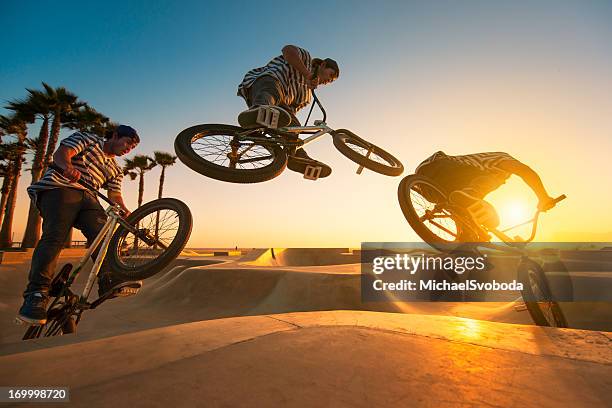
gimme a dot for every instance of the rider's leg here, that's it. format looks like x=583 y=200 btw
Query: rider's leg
x=59 y=208
x=90 y=221
x=471 y=197
x=300 y=161
x=454 y=179
x=266 y=93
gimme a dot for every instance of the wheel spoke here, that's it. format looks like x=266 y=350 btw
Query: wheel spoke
x=425 y=200
x=161 y=224
x=217 y=149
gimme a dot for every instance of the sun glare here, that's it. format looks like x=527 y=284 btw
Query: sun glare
x=513 y=213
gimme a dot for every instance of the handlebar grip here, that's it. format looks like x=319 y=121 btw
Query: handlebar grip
x=560 y=198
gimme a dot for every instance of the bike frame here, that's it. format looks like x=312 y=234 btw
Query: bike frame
x=318 y=130
x=104 y=237
x=516 y=245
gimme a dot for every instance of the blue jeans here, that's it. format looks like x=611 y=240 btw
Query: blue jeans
x=61 y=209
x=267 y=91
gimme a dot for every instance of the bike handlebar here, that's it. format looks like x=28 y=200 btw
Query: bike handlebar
x=318 y=102
x=560 y=198
x=82 y=183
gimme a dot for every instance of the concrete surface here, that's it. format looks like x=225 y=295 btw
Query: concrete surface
x=336 y=358
x=291 y=330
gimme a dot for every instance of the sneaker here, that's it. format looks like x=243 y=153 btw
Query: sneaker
x=306 y=165
x=481 y=211
x=112 y=287
x=264 y=116
x=34 y=308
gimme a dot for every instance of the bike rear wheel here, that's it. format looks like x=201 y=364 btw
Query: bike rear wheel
x=538 y=297
x=217 y=151
x=424 y=206
x=163 y=229
x=366 y=154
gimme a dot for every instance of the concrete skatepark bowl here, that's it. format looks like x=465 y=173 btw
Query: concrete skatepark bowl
x=287 y=327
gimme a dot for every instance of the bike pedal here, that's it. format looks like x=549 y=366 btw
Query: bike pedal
x=520 y=307
x=312 y=172
x=127 y=289
x=267 y=117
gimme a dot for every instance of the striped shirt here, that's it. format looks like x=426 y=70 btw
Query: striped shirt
x=95 y=167
x=295 y=91
x=487 y=162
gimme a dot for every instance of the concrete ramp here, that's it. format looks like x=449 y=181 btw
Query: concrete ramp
x=339 y=358
x=305 y=257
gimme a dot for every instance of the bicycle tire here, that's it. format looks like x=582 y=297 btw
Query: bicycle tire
x=184 y=148
x=387 y=165
x=149 y=268
x=545 y=312
x=442 y=243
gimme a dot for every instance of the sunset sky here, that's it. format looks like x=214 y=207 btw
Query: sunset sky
x=533 y=79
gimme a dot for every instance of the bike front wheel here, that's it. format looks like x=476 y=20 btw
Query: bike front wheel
x=160 y=230
x=366 y=154
x=538 y=297
x=217 y=151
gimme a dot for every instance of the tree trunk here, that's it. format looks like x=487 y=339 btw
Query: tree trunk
x=161 y=182
x=159 y=195
x=140 y=188
x=32 y=231
x=55 y=131
x=6 y=233
x=6 y=184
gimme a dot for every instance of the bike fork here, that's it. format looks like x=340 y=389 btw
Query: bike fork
x=106 y=233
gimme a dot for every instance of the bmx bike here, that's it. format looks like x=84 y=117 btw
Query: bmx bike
x=237 y=155
x=136 y=247
x=449 y=228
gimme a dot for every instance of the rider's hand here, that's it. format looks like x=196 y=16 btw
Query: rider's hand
x=72 y=174
x=546 y=203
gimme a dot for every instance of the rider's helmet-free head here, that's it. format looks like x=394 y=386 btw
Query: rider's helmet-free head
x=127 y=131
x=122 y=139
x=326 y=70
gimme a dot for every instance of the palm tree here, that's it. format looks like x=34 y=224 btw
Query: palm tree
x=61 y=102
x=164 y=160
x=85 y=119
x=137 y=167
x=37 y=106
x=13 y=125
x=7 y=155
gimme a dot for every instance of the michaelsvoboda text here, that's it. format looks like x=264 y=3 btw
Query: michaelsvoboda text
x=413 y=264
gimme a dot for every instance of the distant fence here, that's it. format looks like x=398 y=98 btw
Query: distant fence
x=73 y=244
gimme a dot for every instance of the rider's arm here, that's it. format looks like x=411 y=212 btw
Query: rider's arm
x=531 y=178
x=293 y=57
x=63 y=158
x=117 y=198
